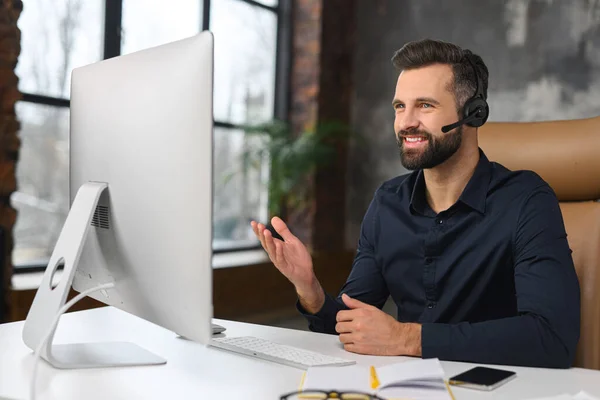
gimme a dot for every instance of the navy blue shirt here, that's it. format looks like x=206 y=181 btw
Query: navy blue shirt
x=491 y=279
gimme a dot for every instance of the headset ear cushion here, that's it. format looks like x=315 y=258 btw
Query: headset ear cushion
x=482 y=115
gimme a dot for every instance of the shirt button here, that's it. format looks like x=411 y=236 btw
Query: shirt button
x=430 y=305
x=428 y=260
x=440 y=221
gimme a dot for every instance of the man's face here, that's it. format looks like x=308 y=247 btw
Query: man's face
x=422 y=105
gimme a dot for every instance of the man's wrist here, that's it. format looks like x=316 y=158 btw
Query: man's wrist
x=311 y=296
x=410 y=334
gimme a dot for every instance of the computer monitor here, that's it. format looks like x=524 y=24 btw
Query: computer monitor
x=141 y=145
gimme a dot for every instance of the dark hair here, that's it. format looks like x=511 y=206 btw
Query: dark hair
x=427 y=52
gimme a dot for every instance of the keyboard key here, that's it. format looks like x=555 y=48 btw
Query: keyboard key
x=275 y=352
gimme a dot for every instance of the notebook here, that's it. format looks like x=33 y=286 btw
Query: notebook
x=418 y=380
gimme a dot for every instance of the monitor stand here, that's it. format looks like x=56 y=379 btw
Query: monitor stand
x=48 y=301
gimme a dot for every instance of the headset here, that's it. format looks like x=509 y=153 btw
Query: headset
x=476 y=110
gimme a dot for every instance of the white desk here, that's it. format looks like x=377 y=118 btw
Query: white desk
x=197 y=372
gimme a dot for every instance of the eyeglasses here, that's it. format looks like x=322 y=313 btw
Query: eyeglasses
x=332 y=394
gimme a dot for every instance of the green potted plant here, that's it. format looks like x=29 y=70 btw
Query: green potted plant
x=292 y=158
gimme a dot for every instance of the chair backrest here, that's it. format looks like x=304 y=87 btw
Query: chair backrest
x=566 y=154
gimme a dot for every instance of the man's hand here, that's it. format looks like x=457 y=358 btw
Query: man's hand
x=365 y=329
x=293 y=260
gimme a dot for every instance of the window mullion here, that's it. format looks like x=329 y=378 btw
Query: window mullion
x=112 y=28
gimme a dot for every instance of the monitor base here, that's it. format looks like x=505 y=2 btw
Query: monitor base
x=43 y=317
x=101 y=355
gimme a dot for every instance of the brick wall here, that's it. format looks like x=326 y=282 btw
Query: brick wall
x=304 y=94
x=320 y=90
x=10 y=38
x=335 y=93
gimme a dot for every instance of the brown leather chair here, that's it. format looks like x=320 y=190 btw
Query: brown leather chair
x=566 y=154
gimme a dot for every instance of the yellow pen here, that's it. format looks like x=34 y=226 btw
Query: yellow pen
x=374 y=380
x=449 y=390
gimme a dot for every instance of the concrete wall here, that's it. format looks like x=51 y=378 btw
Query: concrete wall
x=543 y=57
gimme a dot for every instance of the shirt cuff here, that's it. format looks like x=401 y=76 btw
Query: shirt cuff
x=324 y=320
x=435 y=341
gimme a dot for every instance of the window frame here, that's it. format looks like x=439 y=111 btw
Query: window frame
x=113 y=17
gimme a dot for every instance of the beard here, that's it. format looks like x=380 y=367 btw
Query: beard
x=437 y=150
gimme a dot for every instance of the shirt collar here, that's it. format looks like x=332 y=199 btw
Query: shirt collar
x=474 y=195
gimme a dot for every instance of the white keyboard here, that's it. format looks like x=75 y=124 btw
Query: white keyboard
x=279 y=353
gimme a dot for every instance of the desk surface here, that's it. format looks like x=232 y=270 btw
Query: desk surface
x=196 y=371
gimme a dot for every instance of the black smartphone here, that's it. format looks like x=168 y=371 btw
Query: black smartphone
x=482 y=378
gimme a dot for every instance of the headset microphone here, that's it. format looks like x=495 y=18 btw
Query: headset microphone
x=463 y=121
x=476 y=110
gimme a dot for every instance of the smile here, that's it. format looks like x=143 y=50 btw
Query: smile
x=415 y=139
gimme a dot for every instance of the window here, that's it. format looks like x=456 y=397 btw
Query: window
x=59 y=35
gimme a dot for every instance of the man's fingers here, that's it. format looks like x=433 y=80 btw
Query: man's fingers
x=254 y=226
x=282 y=229
x=353 y=303
x=355 y=348
x=345 y=315
x=259 y=231
x=346 y=338
x=270 y=245
x=261 y=235
x=343 y=327
x=278 y=251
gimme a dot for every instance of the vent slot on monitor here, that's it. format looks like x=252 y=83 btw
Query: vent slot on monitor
x=100 y=218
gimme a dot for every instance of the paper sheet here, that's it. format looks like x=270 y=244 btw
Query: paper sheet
x=348 y=378
x=427 y=369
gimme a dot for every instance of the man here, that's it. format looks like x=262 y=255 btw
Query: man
x=475 y=256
